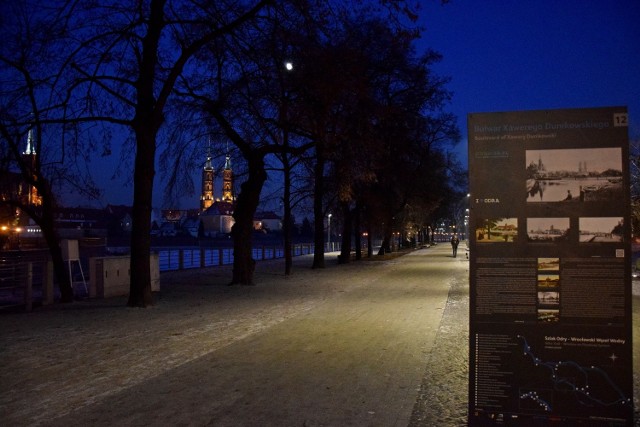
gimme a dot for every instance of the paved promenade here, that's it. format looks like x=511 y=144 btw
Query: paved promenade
x=373 y=343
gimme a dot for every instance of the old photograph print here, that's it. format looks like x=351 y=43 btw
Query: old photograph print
x=601 y=229
x=547 y=230
x=497 y=230
x=549 y=264
x=574 y=175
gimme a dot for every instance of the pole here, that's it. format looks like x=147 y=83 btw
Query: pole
x=329 y=233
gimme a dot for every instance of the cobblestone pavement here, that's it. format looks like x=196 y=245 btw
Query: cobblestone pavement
x=345 y=345
x=373 y=343
x=442 y=399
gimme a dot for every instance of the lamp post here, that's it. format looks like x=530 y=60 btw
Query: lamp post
x=466 y=224
x=329 y=231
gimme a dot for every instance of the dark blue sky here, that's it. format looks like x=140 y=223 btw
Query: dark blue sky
x=511 y=55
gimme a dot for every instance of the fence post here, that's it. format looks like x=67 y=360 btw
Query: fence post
x=202 y=257
x=180 y=259
x=47 y=283
x=28 y=290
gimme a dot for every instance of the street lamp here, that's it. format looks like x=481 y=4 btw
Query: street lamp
x=466 y=224
x=329 y=231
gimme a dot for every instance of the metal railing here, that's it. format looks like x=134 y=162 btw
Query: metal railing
x=172 y=259
x=25 y=277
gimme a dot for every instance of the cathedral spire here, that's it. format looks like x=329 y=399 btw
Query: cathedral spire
x=207 y=164
x=207 y=198
x=227 y=180
x=30 y=144
x=227 y=162
x=30 y=158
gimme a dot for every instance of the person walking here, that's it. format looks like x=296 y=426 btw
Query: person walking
x=454 y=244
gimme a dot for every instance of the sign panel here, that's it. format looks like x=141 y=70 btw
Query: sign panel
x=550 y=268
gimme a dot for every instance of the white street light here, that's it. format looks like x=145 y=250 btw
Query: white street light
x=329 y=231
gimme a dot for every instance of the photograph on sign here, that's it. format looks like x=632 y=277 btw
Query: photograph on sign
x=579 y=175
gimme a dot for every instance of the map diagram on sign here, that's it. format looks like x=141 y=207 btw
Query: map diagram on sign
x=587 y=386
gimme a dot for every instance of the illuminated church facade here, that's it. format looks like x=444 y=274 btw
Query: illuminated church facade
x=217 y=214
x=14 y=186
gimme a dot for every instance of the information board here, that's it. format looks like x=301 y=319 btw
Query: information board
x=550 y=268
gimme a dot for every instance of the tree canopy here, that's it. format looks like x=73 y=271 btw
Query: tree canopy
x=359 y=116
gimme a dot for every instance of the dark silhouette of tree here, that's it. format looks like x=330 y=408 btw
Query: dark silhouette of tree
x=31 y=62
x=244 y=95
x=251 y=98
x=375 y=114
x=137 y=66
x=127 y=66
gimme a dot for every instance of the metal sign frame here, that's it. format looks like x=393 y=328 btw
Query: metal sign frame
x=550 y=268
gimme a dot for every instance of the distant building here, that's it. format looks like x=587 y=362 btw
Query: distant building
x=191 y=226
x=208 y=197
x=227 y=182
x=174 y=216
x=14 y=187
x=218 y=217
x=169 y=229
x=30 y=158
x=541 y=165
x=119 y=219
x=75 y=223
x=267 y=220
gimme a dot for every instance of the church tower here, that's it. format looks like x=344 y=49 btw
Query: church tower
x=29 y=157
x=206 y=200
x=227 y=181
x=541 y=166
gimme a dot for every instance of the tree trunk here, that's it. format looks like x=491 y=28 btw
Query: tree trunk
x=140 y=286
x=286 y=225
x=288 y=256
x=345 y=249
x=53 y=242
x=242 y=230
x=46 y=222
x=318 y=212
x=386 y=242
x=357 y=235
x=369 y=229
x=146 y=124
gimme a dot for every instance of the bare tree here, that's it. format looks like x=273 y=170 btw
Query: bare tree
x=124 y=65
x=378 y=120
x=34 y=156
x=126 y=69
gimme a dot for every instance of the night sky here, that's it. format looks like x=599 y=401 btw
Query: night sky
x=512 y=55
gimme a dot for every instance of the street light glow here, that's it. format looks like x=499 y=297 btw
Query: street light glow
x=288 y=65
